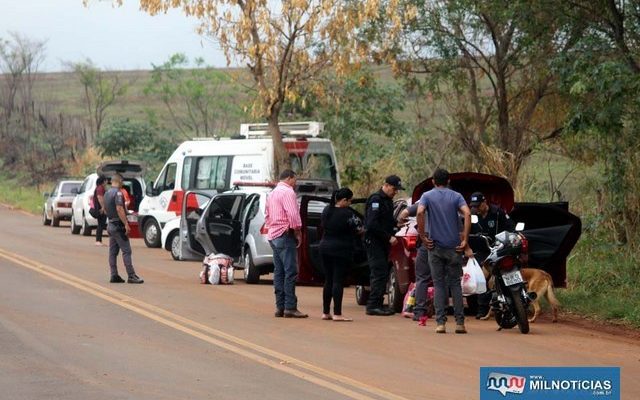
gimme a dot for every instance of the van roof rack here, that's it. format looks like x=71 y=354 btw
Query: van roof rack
x=205 y=139
x=305 y=129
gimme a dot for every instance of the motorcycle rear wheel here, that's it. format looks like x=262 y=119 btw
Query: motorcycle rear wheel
x=520 y=312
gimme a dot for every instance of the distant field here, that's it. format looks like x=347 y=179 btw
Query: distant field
x=64 y=92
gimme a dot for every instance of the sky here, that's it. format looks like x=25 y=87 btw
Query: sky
x=116 y=38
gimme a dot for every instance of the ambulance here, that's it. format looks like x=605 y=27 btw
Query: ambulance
x=216 y=165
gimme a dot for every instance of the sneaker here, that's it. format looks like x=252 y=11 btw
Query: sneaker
x=294 y=314
x=135 y=279
x=460 y=328
x=116 y=279
x=441 y=329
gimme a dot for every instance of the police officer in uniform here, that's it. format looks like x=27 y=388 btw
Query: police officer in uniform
x=491 y=221
x=380 y=226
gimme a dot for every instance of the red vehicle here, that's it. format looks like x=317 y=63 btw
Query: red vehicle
x=553 y=228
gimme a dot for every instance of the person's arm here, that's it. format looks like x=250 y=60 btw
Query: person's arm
x=290 y=206
x=372 y=221
x=100 y=196
x=122 y=214
x=466 y=212
x=420 y=219
x=505 y=222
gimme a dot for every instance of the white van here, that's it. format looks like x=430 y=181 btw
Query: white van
x=213 y=164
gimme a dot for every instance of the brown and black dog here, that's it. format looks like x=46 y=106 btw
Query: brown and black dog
x=537 y=281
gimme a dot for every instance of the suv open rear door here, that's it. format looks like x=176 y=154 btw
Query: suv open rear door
x=552 y=231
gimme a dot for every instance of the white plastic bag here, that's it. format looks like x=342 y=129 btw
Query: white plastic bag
x=481 y=282
x=468 y=281
x=473 y=281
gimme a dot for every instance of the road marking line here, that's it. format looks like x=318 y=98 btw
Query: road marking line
x=279 y=361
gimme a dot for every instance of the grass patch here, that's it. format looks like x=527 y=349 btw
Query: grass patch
x=27 y=198
x=602 y=281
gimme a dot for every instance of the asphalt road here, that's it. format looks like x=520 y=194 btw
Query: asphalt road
x=66 y=333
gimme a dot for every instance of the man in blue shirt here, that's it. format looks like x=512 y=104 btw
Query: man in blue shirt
x=446 y=244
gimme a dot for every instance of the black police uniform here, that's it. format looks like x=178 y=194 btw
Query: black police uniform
x=380 y=226
x=493 y=223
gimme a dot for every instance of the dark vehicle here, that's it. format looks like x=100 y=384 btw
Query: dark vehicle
x=510 y=300
x=551 y=229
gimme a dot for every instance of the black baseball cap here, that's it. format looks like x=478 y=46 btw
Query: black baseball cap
x=476 y=199
x=395 y=181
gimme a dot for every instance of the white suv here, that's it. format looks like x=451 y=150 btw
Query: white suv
x=81 y=220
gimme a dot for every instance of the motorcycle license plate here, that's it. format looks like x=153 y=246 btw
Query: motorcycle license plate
x=512 y=278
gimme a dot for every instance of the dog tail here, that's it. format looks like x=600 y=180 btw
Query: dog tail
x=553 y=301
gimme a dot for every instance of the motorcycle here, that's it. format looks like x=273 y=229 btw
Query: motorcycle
x=510 y=300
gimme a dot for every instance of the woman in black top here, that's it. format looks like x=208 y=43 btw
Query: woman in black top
x=340 y=227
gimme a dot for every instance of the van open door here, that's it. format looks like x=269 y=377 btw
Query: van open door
x=219 y=229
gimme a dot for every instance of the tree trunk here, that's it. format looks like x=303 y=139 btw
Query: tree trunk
x=280 y=154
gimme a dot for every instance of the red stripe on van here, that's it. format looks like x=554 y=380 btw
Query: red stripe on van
x=175 y=203
x=297 y=147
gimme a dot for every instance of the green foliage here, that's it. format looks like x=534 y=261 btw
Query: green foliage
x=135 y=140
x=197 y=98
x=601 y=82
x=602 y=280
x=17 y=194
x=360 y=116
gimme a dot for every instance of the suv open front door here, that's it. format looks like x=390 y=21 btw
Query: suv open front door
x=220 y=228
x=193 y=204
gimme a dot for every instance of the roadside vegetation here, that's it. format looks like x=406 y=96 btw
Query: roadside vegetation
x=544 y=94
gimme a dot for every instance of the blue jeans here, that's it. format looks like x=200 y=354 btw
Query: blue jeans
x=285 y=271
x=423 y=275
x=446 y=270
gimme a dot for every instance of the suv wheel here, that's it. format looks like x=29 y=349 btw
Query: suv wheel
x=75 y=229
x=86 y=229
x=151 y=232
x=45 y=220
x=362 y=295
x=395 y=296
x=251 y=272
x=174 y=243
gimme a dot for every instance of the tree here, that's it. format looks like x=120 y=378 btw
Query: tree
x=20 y=58
x=144 y=142
x=489 y=62
x=601 y=80
x=199 y=100
x=100 y=91
x=285 y=44
x=36 y=138
x=360 y=115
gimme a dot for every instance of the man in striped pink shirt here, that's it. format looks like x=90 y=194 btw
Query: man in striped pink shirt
x=284 y=235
